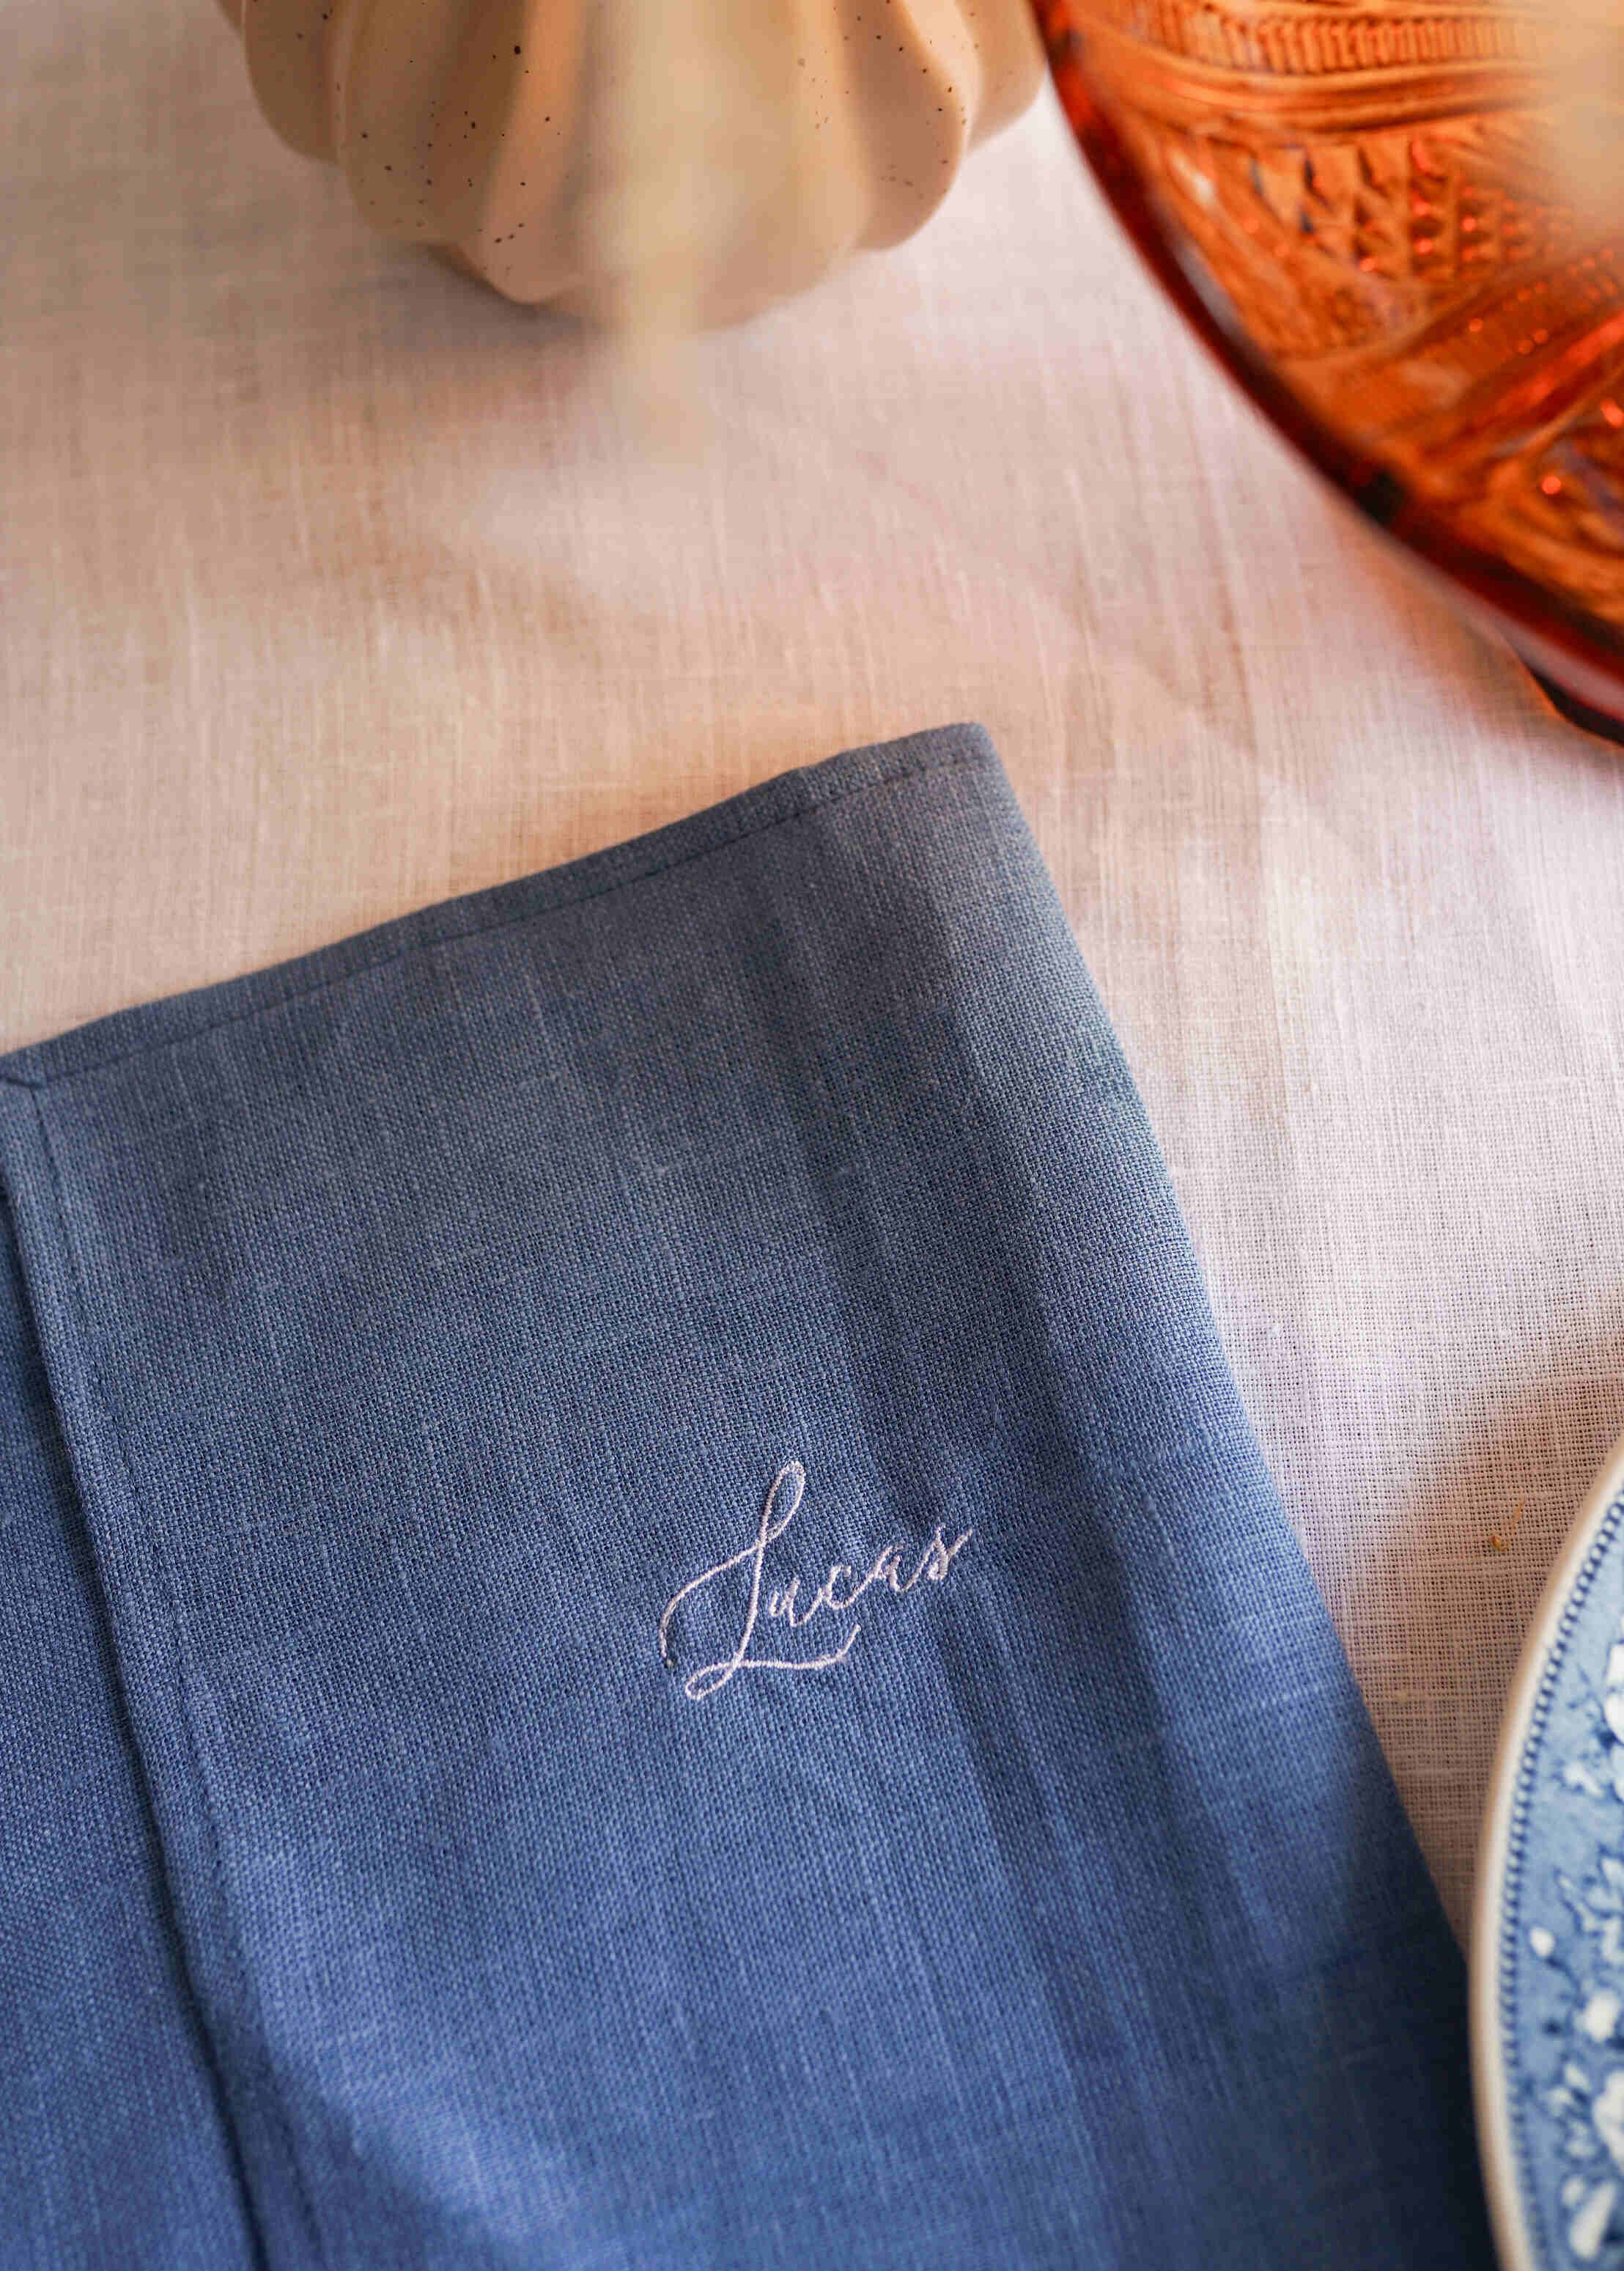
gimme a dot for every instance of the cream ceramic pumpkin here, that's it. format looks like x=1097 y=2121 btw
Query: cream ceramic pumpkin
x=667 y=160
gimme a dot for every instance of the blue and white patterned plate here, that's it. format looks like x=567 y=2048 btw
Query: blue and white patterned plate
x=1548 y=1943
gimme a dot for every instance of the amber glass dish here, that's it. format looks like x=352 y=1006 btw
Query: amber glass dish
x=1361 y=207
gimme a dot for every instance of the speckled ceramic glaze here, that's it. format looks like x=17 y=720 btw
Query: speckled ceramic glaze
x=1548 y=1935
x=707 y=157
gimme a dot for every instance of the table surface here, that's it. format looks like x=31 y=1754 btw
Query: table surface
x=333 y=585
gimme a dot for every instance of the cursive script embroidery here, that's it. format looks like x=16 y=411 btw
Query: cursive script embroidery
x=839 y=1592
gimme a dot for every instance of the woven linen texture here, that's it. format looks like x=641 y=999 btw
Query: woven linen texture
x=333 y=587
x=705 y=1656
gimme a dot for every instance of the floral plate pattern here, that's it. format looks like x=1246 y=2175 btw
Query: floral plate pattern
x=1547 y=1954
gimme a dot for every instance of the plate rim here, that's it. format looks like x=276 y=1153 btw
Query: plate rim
x=1496 y=2150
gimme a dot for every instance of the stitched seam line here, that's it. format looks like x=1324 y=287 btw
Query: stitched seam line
x=978 y=763
x=150 y=1531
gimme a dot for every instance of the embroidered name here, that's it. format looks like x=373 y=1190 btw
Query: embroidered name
x=838 y=1594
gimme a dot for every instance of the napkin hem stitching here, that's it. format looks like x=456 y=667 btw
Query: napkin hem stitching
x=98 y=1395
x=975 y=761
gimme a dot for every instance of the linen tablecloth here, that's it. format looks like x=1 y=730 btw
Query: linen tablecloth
x=333 y=585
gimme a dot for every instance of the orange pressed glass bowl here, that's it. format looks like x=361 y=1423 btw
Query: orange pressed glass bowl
x=1359 y=206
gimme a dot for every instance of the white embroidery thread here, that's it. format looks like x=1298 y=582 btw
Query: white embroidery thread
x=778 y=1511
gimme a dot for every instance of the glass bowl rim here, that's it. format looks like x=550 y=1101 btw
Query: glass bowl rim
x=1557 y=639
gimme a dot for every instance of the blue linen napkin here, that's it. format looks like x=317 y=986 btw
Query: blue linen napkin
x=643 y=1627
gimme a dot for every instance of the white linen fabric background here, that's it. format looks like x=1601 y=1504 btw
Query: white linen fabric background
x=333 y=585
